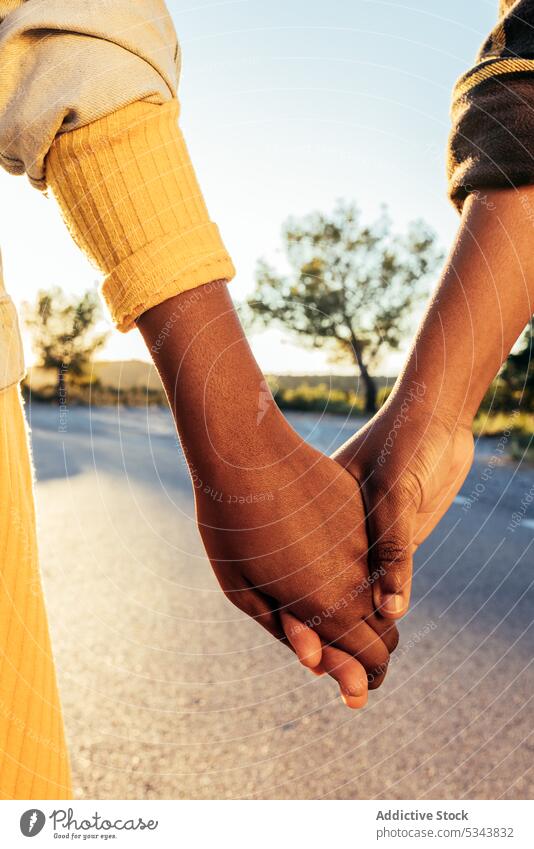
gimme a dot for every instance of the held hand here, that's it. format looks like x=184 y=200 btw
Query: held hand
x=283 y=525
x=414 y=455
x=285 y=533
x=410 y=461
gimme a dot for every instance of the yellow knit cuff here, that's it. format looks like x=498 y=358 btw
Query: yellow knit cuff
x=129 y=195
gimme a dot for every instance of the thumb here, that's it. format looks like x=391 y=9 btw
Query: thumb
x=390 y=524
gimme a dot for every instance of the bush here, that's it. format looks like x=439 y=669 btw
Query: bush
x=499 y=398
x=383 y=395
x=497 y=424
x=95 y=395
x=522 y=447
x=318 y=399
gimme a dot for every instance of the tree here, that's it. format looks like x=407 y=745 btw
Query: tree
x=518 y=371
x=64 y=334
x=352 y=286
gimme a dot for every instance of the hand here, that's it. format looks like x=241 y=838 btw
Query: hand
x=285 y=533
x=410 y=461
x=414 y=455
x=284 y=527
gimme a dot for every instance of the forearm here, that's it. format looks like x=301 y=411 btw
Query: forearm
x=484 y=299
x=216 y=390
x=412 y=458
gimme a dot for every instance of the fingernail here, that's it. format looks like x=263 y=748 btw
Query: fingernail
x=310 y=661
x=352 y=701
x=392 y=604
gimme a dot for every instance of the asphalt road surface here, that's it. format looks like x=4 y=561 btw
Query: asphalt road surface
x=170 y=692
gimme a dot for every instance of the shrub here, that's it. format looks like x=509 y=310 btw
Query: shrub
x=383 y=395
x=318 y=399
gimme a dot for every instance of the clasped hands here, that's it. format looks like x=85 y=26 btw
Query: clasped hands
x=317 y=550
x=320 y=552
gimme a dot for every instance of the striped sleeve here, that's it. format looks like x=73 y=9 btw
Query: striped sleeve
x=491 y=144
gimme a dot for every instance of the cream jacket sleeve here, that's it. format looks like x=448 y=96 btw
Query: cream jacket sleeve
x=66 y=63
x=88 y=110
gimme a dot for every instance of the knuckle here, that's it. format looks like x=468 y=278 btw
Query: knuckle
x=395 y=492
x=375 y=676
x=392 y=554
x=378 y=658
x=391 y=638
x=234 y=598
x=393 y=483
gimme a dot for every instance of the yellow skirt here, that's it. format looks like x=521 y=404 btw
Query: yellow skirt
x=33 y=755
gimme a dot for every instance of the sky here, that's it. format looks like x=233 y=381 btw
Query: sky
x=286 y=107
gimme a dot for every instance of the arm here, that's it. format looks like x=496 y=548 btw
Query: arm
x=128 y=192
x=414 y=455
x=283 y=528
x=412 y=458
x=115 y=159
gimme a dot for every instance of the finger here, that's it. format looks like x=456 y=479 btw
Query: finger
x=305 y=641
x=390 y=530
x=254 y=603
x=375 y=679
x=349 y=674
x=386 y=630
x=260 y=608
x=263 y=609
x=360 y=641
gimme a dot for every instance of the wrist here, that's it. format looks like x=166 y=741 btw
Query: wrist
x=222 y=405
x=417 y=399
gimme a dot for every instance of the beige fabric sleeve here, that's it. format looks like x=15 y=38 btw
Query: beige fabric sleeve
x=67 y=63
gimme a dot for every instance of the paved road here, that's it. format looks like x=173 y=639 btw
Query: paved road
x=169 y=692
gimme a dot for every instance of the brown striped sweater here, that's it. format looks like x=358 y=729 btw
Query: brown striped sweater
x=491 y=144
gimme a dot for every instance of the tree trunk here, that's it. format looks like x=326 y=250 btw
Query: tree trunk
x=368 y=381
x=61 y=388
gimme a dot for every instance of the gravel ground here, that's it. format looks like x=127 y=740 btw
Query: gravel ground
x=169 y=692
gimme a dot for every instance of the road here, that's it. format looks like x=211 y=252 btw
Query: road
x=170 y=692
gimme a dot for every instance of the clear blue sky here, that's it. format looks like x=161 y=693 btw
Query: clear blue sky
x=288 y=105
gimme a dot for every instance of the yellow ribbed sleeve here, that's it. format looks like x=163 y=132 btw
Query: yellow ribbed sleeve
x=131 y=200
x=33 y=756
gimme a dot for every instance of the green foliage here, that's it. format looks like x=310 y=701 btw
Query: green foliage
x=518 y=371
x=352 y=286
x=498 y=398
x=513 y=388
x=95 y=395
x=320 y=398
x=522 y=446
x=64 y=333
x=383 y=395
x=496 y=424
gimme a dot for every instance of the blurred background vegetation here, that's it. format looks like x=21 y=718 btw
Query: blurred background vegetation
x=350 y=288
